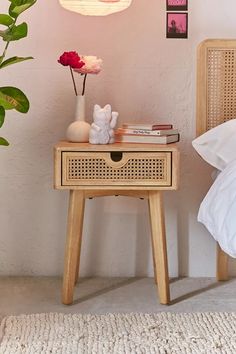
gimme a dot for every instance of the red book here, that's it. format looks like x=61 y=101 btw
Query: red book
x=147 y=126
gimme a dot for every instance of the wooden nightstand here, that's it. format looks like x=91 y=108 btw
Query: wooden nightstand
x=135 y=170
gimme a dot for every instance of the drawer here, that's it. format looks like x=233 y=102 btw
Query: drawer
x=116 y=168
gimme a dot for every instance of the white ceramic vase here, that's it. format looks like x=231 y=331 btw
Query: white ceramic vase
x=78 y=131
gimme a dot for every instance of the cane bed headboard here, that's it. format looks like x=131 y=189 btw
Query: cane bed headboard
x=216 y=83
x=216 y=99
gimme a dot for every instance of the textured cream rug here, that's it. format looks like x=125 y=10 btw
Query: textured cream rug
x=164 y=333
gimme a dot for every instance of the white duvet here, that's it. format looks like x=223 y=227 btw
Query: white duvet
x=218 y=209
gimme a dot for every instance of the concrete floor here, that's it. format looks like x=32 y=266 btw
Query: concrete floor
x=101 y=295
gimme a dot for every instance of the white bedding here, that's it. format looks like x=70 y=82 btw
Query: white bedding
x=217 y=146
x=218 y=209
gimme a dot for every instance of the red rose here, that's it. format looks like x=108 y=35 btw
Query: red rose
x=71 y=59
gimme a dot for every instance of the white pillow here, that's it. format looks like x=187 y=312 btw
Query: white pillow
x=218 y=209
x=218 y=145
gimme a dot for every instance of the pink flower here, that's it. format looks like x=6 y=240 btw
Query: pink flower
x=71 y=59
x=92 y=65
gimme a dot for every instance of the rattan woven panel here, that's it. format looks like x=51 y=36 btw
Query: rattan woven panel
x=221 y=86
x=84 y=169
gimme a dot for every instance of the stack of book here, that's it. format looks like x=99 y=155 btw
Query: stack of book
x=147 y=133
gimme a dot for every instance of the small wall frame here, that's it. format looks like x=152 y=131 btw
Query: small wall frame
x=176 y=5
x=177 y=25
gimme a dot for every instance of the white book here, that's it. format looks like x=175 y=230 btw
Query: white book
x=147 y=131
x=166 y=139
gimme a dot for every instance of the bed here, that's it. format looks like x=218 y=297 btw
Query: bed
x=216 y=101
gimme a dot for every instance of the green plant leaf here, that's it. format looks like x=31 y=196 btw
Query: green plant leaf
x=2 y=116
x=19 y=6
x=15 y=32
x=13 y=60
x=3 y=141
x=13 y=98
x=6 y=20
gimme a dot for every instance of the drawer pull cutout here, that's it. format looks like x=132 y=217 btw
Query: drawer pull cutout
x=116 y=156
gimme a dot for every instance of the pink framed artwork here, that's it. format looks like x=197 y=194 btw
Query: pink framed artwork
x=177 y=25
x=177 y=5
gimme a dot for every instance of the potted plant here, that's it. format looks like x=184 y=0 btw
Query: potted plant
x=12 y=97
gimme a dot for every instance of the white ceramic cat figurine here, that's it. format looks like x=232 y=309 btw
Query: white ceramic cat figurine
x=102 y=128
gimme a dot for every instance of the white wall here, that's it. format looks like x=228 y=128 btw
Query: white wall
x=145 y=77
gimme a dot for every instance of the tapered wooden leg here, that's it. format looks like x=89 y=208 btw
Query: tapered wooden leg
x=80 y=241
x=222 y=265
x=154 y=263
x=157 y=220
x=73 y=244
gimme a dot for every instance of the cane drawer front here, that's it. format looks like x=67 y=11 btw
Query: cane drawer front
x=116 y=168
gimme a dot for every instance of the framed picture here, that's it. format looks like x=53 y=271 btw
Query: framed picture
x=177 y=5
x=177 y=25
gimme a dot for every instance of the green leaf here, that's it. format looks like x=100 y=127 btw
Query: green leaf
x=6 y=20
x=19 y=6
x=13 y=98
x=13 y=60
x=2 y=116
x=3 y=141
x=15 y=32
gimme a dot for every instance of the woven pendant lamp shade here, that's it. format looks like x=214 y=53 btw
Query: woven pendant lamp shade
x=95 y=7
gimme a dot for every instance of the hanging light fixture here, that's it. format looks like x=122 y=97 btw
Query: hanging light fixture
x=95 y=7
